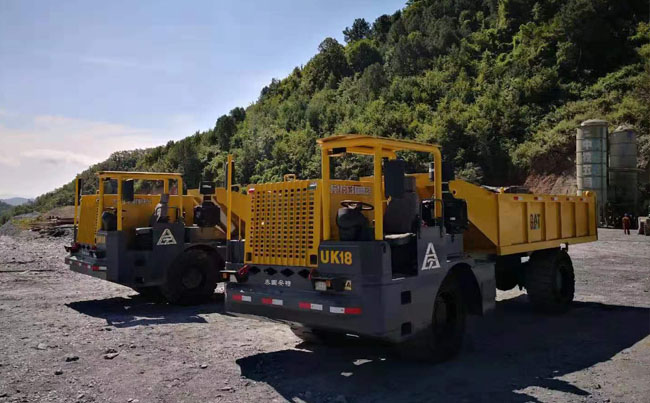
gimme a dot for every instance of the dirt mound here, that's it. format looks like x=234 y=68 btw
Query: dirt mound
x=61 y=212
x=552 y=184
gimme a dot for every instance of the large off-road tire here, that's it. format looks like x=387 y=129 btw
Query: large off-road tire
x=443 y=339
x=191 y=278
x=550 y=281
x=318 y=336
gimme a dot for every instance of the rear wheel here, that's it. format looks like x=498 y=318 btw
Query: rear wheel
x=443 y=339
x=191 y=278
x=550 y=281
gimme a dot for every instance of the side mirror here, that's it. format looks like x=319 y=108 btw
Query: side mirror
x=128 y=192
x=448 y=171
x=394 y=178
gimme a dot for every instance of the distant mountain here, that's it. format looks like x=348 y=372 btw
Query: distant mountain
x=16 y=201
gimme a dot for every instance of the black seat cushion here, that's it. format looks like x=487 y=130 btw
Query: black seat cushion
x=401 y=212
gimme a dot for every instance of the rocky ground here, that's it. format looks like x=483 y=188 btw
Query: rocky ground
x=66 y=337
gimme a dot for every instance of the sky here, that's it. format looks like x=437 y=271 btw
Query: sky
x=82 y=79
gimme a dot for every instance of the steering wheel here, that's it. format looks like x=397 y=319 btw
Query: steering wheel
x=353 y=204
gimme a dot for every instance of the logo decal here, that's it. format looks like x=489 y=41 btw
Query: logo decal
x=430 y=259
x=166 y=238
x=535 y=221
x=350 y=190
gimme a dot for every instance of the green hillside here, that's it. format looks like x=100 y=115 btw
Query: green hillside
x=499 y=84
x=4 y=207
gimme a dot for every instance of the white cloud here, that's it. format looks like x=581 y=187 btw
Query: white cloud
x=56 y=157
x=47 y=151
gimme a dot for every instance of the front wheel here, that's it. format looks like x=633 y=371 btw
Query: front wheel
x=191 y=278
x=443 y=339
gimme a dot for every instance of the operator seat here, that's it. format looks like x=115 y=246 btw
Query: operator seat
x=207 y=214
x=161 y=212
x=401 y=215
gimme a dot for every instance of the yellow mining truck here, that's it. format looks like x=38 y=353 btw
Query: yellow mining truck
x=399 y=256
x=158 y=240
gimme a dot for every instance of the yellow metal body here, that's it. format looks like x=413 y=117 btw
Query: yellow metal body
x=131 y=215
x=288 y=220
x=508 y=223
x=240 y=207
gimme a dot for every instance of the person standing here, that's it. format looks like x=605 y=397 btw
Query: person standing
x=627 y=223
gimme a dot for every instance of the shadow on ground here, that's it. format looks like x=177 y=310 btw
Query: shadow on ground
x=140 y=311
x=504 y=353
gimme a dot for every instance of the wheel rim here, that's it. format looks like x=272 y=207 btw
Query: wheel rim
x=192 y=278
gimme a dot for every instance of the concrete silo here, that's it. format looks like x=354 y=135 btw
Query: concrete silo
x=623 y=191
x=591 y=161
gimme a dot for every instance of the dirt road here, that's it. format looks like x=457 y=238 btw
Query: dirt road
x=70 y=338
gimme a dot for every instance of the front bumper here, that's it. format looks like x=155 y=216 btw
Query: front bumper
x=333 y=311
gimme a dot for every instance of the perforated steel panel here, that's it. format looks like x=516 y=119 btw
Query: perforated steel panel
x=285 y=224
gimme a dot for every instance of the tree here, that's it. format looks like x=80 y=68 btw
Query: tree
x=238 y=114
x=327 y=67
x=361 y=54
x=224 y=129
x=372 y=81
x=381 y=27
x=360 y=29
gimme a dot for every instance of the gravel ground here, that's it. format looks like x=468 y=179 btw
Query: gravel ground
x=71 y=338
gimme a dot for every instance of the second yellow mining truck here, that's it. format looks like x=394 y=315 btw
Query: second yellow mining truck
x=143 y=231
x=398 y=256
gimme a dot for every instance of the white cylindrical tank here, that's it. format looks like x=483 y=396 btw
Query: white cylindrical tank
x=623 y=172
x=591 y=160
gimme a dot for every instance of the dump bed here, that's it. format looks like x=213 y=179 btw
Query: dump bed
x=509 y=223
